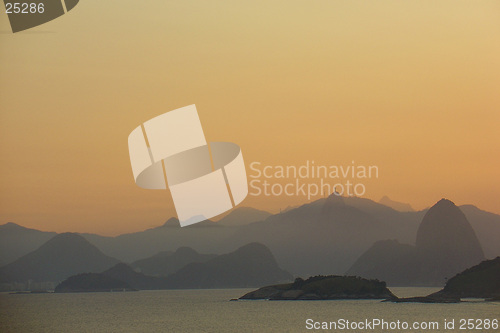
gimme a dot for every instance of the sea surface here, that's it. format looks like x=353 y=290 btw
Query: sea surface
x=211 y=311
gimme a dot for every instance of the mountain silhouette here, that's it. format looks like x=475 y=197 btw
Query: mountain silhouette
x=242 y=216
x=389 y=261
x=446 y=242
x=16 y=241
x=399 y=206
x=207 y=237
x=125 y=273
x=487 y=228
x=322 y=237
x=326 y=236
x=249 y=266
x=165 y=263
x=62 y=256
x=445 y=245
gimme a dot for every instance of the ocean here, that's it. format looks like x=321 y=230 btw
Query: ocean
x=211 y=311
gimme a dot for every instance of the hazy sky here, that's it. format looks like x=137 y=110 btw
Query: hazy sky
x=409 y=86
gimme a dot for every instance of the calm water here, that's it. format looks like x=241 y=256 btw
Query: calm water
x=210 y=311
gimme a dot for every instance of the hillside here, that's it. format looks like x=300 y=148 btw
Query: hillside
x=136 y=280
x=16 y=241
x=62 y=256
x=249 y=266
x=480 y=281
x=165 y=263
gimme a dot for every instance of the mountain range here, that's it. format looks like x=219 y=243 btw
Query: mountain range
x=445 y=245
x=325 y=236
x=67 y=255
x=249 y=266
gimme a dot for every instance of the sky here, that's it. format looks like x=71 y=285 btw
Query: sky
x=409 y=86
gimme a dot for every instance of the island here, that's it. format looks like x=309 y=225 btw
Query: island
x=330 y=287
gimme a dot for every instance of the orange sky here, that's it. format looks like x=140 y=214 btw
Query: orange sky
x=409 y=86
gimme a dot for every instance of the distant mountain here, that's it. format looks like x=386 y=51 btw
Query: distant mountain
x=326 y=236
x=399 y=206
x=165 y=262
x=388 y=261
x=62 y=256
x=446 y=244
x=91 y=282
x=125 y=273
x=249 y=266
x=487 y=228
x=243 y=215
x=207 y=237
x=16 y=241
x=305 y=240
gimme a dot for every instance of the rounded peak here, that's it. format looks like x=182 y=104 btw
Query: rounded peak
x=67 y=240
x=254 y=248
x=445 y=230
x=12 y=226
x=68 y=236
x=120 y=267
x=185 y=250
x=444 y=202
x=171 y=222
x=332 y=201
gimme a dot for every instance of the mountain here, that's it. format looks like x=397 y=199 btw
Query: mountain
x=243 y=215
x=125 y=273
x=166 y=262
x=207 y=237
x=326 y=236
x=479 y=281
x=16 y=241
x=62 y=256
x=399 y=206
x=324 y=288
x=445 y=245
x=91 y=282
x=389 y=261
x=305 y=240
x=487 y=228
x=249 y=266
x=446 y=242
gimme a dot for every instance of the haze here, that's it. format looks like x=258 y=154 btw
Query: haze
x=411 y=87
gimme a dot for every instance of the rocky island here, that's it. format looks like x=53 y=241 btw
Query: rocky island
x=331 y=287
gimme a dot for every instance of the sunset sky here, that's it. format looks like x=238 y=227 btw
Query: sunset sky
x=410 y=86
